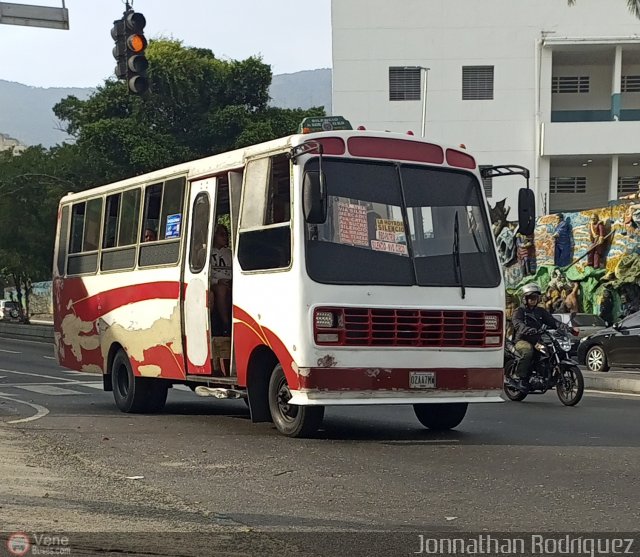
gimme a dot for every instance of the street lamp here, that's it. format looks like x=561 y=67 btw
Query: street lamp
x=424 y=93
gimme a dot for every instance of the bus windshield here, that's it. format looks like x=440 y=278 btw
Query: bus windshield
x=395 y=224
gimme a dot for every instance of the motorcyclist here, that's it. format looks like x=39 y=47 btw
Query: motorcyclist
x=529 y=322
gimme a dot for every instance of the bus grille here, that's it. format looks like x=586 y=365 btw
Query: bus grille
x=429 y=328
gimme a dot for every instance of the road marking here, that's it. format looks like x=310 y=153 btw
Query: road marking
x=93 y=384
x=49 y=390
x=37 y=375
x=10 y=351
x=74 y=372
x=611 y=393
x=49 y=357
x=41 y=411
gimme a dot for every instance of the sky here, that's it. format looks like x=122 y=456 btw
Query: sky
x=232 y=29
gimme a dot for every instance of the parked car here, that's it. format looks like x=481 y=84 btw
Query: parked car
x=585 y=324
x=8 y=310
x=618 y=345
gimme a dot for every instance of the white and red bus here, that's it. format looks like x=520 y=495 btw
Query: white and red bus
x=364 y=272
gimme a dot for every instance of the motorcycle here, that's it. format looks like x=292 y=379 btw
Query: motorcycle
x=551 y=368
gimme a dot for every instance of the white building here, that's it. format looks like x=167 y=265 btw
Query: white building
x=7 y=142
x=530 y=82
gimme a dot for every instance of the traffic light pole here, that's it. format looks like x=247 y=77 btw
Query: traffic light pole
x=34 y=16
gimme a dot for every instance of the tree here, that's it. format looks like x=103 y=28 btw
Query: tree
x=633 y=5
x=197 y=106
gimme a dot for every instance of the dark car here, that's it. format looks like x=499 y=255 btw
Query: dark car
x=583 y=324
x=618 y=345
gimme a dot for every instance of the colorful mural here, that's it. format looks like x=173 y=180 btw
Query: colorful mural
x=587 y=261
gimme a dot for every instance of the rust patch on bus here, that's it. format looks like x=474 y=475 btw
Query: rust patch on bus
x=327 y=361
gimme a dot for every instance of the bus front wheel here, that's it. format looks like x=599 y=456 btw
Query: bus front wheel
x=135 y=394
x=440 y=417
x=291 y=420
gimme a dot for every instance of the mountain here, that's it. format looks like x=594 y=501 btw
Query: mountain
x=302 y=89
x=26 y=112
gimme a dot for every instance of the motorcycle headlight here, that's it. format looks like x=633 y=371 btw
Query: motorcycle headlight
x=565 y=344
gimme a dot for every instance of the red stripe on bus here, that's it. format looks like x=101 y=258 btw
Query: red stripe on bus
x=93 y=307
x=248 y=334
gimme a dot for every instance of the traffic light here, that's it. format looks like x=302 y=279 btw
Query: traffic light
x=136 y=44
x=131 y=63
x=120 y=48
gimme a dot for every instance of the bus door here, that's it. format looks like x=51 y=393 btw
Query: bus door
x=196 y=300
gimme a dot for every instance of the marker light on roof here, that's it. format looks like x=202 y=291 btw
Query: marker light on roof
x=361 y=128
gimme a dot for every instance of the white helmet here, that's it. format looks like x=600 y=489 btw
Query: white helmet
x=531 y=288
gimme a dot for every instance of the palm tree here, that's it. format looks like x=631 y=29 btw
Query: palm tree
x=634 y=6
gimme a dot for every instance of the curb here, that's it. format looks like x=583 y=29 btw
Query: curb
x=618 y=383
x=33 y=332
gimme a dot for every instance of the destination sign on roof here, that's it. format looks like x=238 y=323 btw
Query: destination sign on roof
x=324 y=124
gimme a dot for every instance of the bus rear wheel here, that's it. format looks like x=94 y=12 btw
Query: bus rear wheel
x=291 y=420
x=135 y=394
x=440 y=417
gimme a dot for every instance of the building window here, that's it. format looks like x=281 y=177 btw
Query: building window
x=487 y=183
x=570 y=184
x=404 y=83
x=477 y=83
x=570 y=84
x=630 y=84
x=628 y=185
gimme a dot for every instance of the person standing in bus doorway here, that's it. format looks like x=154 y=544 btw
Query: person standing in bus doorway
x=221 y=260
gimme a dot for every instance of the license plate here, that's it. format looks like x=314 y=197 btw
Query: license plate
x=422 y=380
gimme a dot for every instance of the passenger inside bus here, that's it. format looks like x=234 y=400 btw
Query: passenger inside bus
x=149 y=235
x=220 y=275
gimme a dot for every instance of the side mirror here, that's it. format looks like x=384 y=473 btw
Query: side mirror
x=314 y=197
x=617 y=326
x=526 y=211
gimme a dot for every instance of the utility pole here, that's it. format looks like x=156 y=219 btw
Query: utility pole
x=34 y=16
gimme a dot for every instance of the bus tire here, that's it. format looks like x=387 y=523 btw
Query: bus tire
x=135 y=394
x=440 y=417
x=289 y=419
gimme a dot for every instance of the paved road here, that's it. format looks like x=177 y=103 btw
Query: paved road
x=534 y=466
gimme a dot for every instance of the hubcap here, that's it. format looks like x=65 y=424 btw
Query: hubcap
x=287 y=411
x=596 y=359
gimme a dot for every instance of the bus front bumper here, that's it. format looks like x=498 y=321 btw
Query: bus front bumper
x=362 y=386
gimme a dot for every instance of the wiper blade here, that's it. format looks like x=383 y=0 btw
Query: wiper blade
x=456 y=255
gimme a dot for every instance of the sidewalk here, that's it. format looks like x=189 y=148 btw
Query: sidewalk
x=627 y=381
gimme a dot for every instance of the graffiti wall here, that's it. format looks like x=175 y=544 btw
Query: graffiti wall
x=587 y=261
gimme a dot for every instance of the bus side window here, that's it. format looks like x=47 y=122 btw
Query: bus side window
x=266 y=203
x=111 y=221
x=152 y=203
